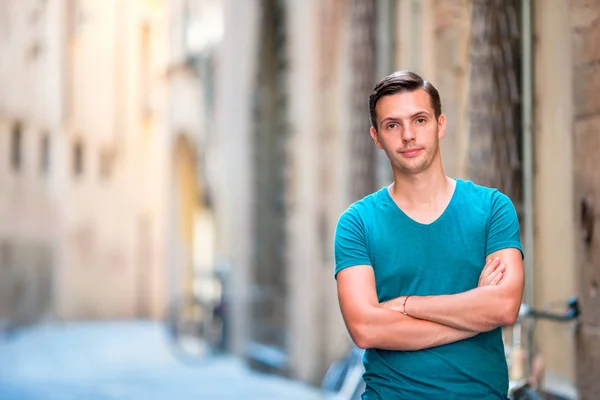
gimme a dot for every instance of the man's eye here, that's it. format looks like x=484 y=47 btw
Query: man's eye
x=421 y=120
x=392 y=126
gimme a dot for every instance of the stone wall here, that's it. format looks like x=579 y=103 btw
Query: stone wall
x=585 y=28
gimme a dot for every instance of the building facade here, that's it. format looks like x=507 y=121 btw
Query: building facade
x=83 y=122
x=517 y=83
x=146 y=140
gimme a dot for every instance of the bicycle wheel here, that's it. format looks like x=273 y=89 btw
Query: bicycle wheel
x=526 y=392
x=190 y=329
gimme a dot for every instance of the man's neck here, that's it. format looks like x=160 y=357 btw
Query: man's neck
x=423 y=189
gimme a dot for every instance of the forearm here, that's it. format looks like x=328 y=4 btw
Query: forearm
x=481 y=309
x=386 y=329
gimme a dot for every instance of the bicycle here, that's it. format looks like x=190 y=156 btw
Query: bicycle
x=197 y=323
x=344 y=376
x=526 y=367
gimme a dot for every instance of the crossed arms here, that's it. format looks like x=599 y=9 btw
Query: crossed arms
x=431 y=320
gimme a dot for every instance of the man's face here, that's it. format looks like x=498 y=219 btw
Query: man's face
x=408 y=131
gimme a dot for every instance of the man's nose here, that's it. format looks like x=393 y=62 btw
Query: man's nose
x=408 y=135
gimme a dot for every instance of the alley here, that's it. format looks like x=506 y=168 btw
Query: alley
x=125 y=360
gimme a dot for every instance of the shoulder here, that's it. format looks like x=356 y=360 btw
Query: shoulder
x=487 y=197
x=476 y=190
x=491 y=203
x=360 y=210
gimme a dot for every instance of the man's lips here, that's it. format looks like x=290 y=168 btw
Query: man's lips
x=410 y=152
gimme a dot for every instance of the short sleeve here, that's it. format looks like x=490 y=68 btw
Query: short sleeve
x=503 y=229
x=350 y=244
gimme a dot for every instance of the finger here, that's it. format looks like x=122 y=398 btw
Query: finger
x=488 y=279
x=494 y=275
x=485 y=272
x=495 y=263
x=497 y=278
x=490 y=267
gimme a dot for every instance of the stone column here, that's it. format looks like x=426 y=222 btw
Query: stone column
x=585 y=36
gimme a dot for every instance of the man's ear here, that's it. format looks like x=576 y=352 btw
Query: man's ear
x=441 y=126
x=375 y=137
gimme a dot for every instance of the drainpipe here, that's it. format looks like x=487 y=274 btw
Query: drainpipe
x=385 y=35
x=527 y=132
x=415 y=35
x=385 y=45
x=527 y=140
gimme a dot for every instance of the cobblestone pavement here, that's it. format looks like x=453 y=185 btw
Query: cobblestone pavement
x=125 y=361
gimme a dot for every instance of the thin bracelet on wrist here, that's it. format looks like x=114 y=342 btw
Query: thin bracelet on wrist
x=404 y=305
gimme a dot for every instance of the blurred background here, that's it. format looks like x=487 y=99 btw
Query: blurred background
x=172 y=171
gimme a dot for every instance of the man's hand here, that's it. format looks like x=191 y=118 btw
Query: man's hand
x=492 y=273
x=372 y=325
x=483 y=308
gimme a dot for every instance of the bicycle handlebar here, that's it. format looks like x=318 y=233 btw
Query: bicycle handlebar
x=571 y=313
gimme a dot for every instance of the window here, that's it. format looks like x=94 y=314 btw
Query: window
x=107 y=159
x=45 y=154
x=16 y=147
x=75 y=18
x=78 y=158
x=6 y=12
x=145 y=68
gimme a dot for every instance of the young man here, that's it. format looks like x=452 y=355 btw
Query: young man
x=414 y=286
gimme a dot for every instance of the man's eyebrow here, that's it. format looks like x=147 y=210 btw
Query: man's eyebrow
x=386 y=119
x=422 y=112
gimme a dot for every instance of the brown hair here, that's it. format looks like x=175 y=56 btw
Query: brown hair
x=402 y=81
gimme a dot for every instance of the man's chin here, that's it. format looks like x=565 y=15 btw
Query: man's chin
x=413 y=169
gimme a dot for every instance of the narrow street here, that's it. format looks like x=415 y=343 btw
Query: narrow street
x=125 y=360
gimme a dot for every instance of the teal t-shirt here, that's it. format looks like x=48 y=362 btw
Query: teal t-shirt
x=444 y=257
